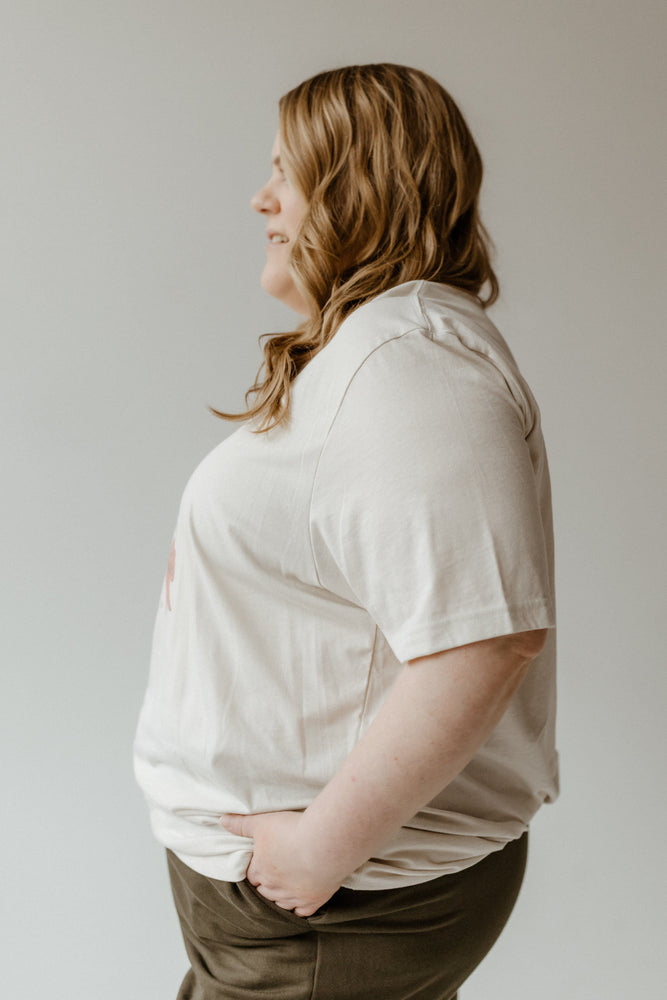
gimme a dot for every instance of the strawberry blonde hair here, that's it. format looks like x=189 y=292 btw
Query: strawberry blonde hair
x=391 y=176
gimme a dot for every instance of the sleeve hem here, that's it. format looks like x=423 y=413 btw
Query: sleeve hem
x=447 y=633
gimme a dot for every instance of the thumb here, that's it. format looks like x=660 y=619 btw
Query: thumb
x=236 y=823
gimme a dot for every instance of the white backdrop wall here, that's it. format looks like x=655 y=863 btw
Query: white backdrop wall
x=134 y=133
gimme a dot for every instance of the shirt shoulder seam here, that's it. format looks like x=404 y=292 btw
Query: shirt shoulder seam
x=378 y=347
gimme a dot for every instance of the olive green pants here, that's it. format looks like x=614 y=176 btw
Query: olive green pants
x=414 y=943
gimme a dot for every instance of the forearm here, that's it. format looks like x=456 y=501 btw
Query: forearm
x=438 y=714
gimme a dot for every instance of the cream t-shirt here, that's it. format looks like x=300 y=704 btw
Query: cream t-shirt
x=404 y=509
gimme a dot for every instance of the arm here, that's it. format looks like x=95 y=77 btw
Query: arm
x=440 y=711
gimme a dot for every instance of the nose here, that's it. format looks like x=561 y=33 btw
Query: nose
x=265 y=201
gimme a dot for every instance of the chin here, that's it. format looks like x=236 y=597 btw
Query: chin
x=281 y=286
x=277 y=285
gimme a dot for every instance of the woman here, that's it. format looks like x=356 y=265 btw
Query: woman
x=349 y=721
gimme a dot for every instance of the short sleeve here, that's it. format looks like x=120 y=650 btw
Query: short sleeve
x=430 y=505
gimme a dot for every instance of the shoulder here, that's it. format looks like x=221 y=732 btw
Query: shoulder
x=422 y=331
x=421 y=341
x=411 y=352
x=387 y=317
x=447 y=317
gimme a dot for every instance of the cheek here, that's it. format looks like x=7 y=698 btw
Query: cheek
x=293 y=213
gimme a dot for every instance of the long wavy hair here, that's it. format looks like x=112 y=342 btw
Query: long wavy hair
x=391 y=176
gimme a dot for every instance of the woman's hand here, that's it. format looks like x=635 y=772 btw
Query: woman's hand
x=458 y=697
x=284 y=867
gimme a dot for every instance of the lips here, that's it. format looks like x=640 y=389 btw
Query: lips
x=270 y=233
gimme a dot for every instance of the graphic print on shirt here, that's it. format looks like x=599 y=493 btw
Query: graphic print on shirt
x=171 y=570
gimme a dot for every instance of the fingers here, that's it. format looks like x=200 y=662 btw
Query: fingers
x=288 y=901
x=252 y=874
x=242 y=826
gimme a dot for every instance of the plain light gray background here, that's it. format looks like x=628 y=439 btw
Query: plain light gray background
x=134 y=134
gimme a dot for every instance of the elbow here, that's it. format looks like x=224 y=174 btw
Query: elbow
x=530 y=644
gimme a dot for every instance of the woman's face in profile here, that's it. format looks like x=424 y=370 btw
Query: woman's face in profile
x=283 y=208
